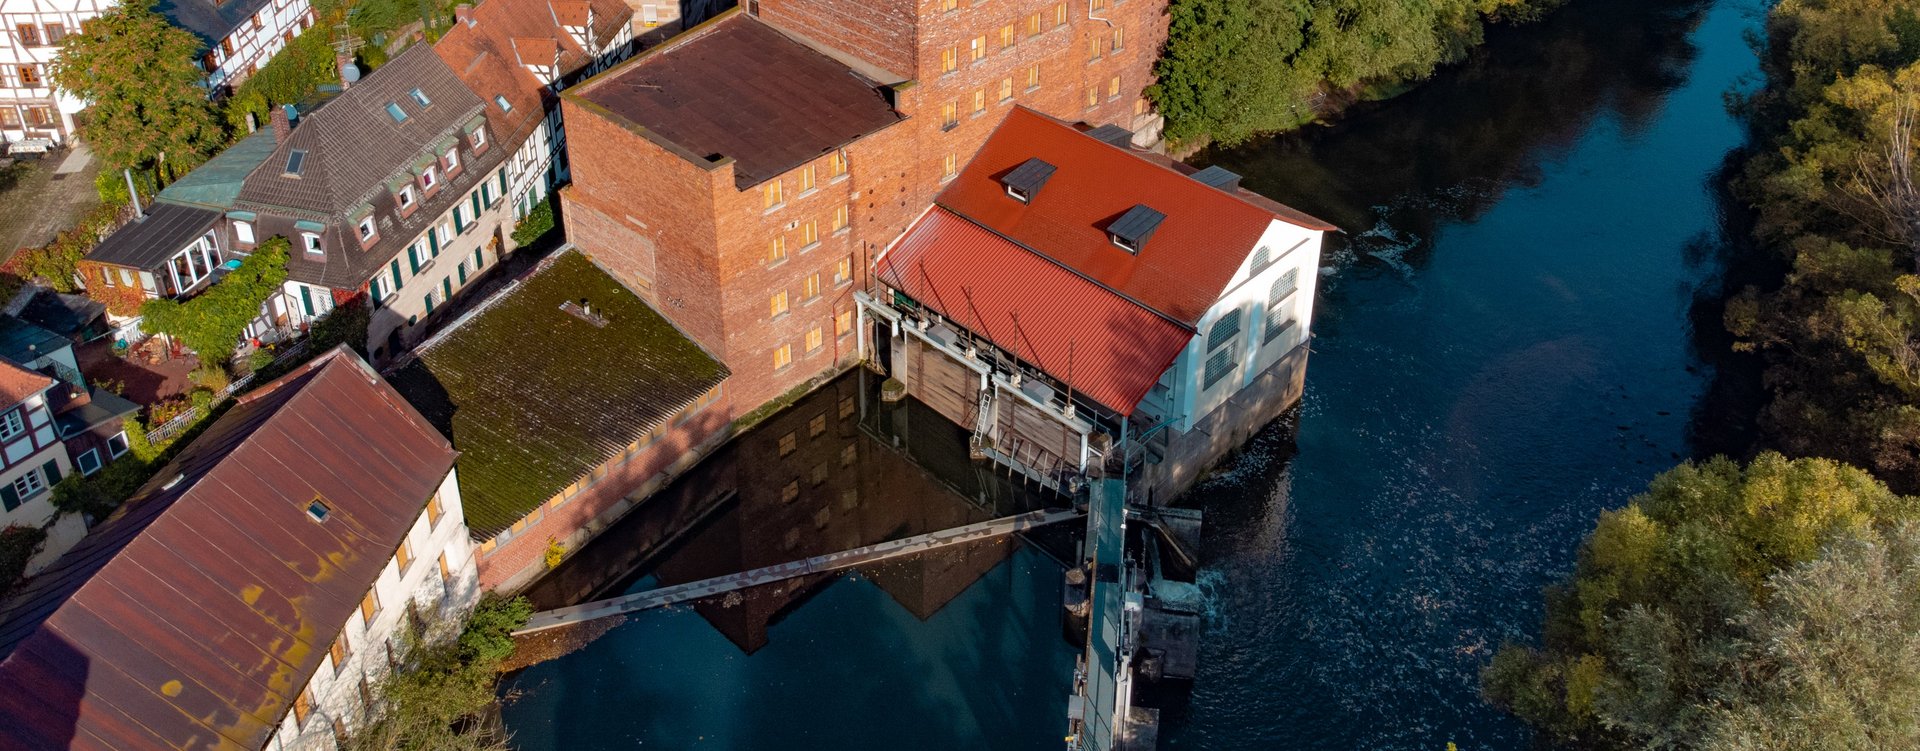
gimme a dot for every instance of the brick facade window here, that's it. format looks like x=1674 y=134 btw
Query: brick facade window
x=1006 y=88
x=806 y=179
x=1093 y=96
x=1033 y=76
x=1060 y=14
x=813 y=339
x=948 y=167
x=977 y=48
x=773 y=196
x=810 y=287
x=839 y=218
x=843 y=323
x=949 y=59
x=1006 y=36
x=777 y=304
x=843 y=271
x=1097 y=4
x=777 y=250
x=949 y=6
x=1113 y=88
x=1119 y=38
x=809 y=234
x=1093 y=48
x=1033 y=24
x=837 y=164
x=949 y=115
x=979 y=101
x=783 y=356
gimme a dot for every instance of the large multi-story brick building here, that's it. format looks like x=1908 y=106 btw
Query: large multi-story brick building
x=742 y=177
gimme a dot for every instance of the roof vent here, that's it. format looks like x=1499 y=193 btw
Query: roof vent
x=1112 y=135
x=1025 y=180
x=172 y=481
x=584 y=311
x=1218 y=177
x=1131 y=231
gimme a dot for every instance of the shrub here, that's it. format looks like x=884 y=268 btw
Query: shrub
x=212 y=322
x=211 y=377
x=488 y=636
x=536 y=224
x=17 y=546
x=163 y=411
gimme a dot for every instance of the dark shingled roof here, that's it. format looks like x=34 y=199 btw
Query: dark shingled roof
x=24 y=342
x=194 y=615
x=66 y=315
x=737 y=88
x=535 y=397
x=210 y=20
x=147 y=243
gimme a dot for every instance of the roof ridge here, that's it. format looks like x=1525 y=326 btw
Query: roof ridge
x=938 y=206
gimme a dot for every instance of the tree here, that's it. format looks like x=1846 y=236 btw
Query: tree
x=1676 y=600
x=18 y=544
x=146 y=100
x=211 y=323
x=433 y=700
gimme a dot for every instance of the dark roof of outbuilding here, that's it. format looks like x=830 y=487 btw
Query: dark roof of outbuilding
x=24 y=342
x=101 y=407
x=147 y=243
x=194 y=615
x=210 y=20
x=737 y=88
x=65 y=315
x=535 y=397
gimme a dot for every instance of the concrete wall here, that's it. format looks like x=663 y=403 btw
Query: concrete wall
x=1190 y=453
x=1292 y=249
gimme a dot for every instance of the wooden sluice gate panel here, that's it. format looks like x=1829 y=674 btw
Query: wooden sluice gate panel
x=941 y=382
x=1024 y=428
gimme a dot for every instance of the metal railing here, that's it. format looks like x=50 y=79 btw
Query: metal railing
x=174 y=427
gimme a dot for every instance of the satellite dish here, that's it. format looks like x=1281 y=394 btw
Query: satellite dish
x=349 y=72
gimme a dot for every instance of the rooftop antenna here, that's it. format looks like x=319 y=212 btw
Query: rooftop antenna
x=345 y=44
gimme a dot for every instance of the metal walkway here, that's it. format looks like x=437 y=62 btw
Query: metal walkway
x=830 y=562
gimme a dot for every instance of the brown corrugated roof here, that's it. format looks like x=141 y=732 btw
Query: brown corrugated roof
x=1110 y=349
x=735 y=87
x=194 y=615
x=1181 y=271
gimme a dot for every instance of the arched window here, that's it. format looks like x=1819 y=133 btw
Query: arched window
x=1224 y=331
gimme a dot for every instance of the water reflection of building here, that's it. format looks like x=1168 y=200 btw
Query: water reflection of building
x=835 y=471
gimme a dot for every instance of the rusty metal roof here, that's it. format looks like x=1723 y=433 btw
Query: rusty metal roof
x=735 y=87
x=1181 y=271
x=194 y=615
x=1107 y=347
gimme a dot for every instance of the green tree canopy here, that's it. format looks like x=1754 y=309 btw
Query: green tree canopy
x=145 y=96
x=212 y=322
x=1685 y=600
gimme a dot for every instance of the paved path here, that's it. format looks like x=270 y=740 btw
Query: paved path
x=830 y=562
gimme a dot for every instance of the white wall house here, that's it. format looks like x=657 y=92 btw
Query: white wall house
x=32 y=459
x=31 y=111
x=240 y=35
x=432 y=580
x=1264 y=314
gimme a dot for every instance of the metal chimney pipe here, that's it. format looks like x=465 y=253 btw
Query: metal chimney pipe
x=134 y=194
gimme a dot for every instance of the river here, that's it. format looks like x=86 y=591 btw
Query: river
x=1505 y=344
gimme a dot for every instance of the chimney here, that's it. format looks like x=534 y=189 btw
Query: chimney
x=464 y=12
x=281 y=127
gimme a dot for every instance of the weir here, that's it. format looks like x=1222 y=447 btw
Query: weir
x=719 y=585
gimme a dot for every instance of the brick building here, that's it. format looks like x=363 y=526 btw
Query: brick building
x=742 y=177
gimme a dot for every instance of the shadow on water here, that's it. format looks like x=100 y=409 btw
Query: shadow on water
x=963 y=643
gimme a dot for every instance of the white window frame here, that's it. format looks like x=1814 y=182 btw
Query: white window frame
x=12 y=425
x=453 y=159
x=310 y=243
x=81 y=461
x=121 y=438
x=480 y=138
x=243 y=232
x=405 y=197
x=428 y=179
x=367 y=229
x=35 y=484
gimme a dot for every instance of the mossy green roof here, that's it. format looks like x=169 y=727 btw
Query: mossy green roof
x=534 y=396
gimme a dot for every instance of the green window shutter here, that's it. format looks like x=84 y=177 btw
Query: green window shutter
x=446 y=288
x=396 y=275
x=306 y=299
x=52 y=468
x=463 y=273
x=459 y=221
x=429 y=299
x=373 y=292
x=476 y=204
x=503 y=180
x=477 y=262
x=413 y=258
x=433 y=238
x=8 y=498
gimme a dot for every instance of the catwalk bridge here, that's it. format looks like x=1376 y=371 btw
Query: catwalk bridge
x=720 y=585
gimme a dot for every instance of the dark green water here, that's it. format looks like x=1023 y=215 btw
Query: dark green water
x=1505 y=345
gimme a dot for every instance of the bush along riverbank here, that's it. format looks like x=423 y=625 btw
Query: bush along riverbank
x=1234 y=69
x=1772 y=605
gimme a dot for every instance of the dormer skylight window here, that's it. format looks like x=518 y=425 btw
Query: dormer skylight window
x=420 y=98
x=317 y=510
x=366 y=229
x=502 y=101
x=394 y=111
x=1025 y=181
x=428 y=178
x=1131 y=231
x=296 y=161
x=405 y=197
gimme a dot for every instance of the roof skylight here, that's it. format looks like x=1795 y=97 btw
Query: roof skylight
x=394 y=111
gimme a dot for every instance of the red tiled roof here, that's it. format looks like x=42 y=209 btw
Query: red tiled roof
x=1180 y=272
x=1105 y=346
x=483 y=53
x=18 y=383
x=735 y=87
x=194 y=615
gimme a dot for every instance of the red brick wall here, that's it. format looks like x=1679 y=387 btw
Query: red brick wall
x=877 y=31
x=526 y=551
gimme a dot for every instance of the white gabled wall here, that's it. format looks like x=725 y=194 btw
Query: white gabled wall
x=335 y=690
x=1293 y=249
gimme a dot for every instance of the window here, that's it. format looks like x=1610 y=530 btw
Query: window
x=366 y=229
x=9 y=117
x=446 y=574
x=1262 y=258
x=243 y=232
x=783 y=356
x=813 y=339
x=420 y=98
x=843 y=323
x=311 y=242
x=369 y=606
x=947 y=167
x=777 y=250
x=1033 y=77
x=296 y=161
x=949 y=115
x=1006 y=36
x=979 y=101
x=1093 y=48
x=771 y=195
x=977 y=48
x=1119 y=38
x=433 y=511
x=1033 y=24
x=40 y=117
x=1060 y=14
x=29 y=484
x=839 y=218
x=502 y=102
x=29 y=34
x=949 y=59
x=453 y=160
x=810 y=288
x=837 y=164
x=55 y=34
x=1093 y=95
x=849 y=454
x=404 y=556
x=405 y=198
x=809 y=234
x=806 y=178
x=428 y=179
x=1096 y=4
x=12 y=425
x=1006 y=88
x=1222 y=345
x=117 y=445
x=479 y=139
x=1279 y=319
x=339 y=653
x=948 y=6
x=394 y=111
x=1113 y=88
x=777 y=304
x=302 y=706
x=843 y=271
